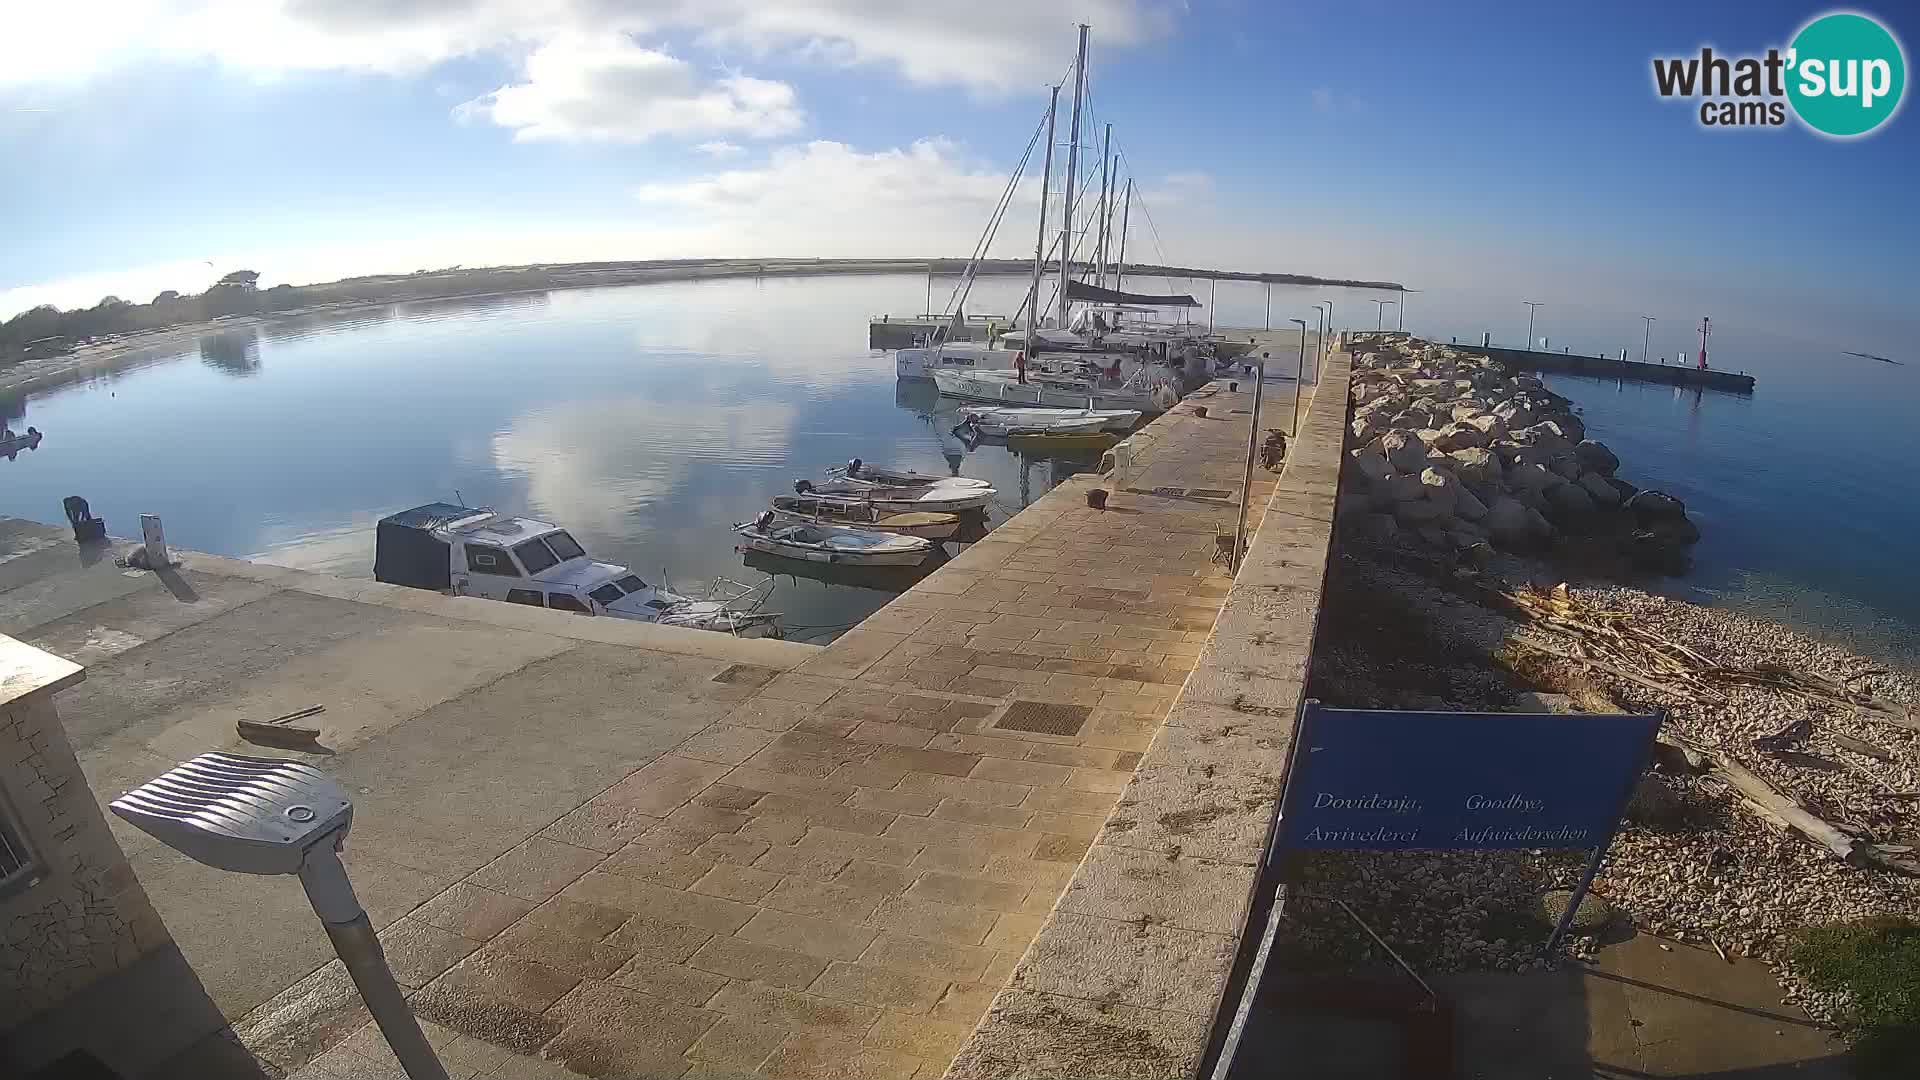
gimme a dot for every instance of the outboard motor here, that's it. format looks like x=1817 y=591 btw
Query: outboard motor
x=86 y=527
x=765 y=519
x=802 y=487
x=853 y=467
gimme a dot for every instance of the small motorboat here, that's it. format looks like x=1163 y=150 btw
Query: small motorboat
x=802 y=509
x=860 y=472
x=1040 y=445
x=837 y=544
x=933 y=498
x=995 y=420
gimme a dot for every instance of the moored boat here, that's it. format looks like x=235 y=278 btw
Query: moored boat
x=802 y=509
x=1014 y=418
x=1040 y=444
x=935 y=498
x=838 y=544
x=1005 y=388
x=473 y=551
x=860 y=472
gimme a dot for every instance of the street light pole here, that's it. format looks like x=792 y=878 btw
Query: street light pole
x=1253 y=448
x=1379 y=309
x=1320 y=339
x=1648 y=339
x=1269 y=305
x=1299 y=372
x=1531 y=306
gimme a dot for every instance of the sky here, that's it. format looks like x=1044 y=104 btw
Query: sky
x=1499 y=148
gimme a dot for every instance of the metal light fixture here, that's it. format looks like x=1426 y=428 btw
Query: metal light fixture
x=267 y=816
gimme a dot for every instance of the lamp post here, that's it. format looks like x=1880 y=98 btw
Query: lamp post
x=1299 y=372
x=1269 y=305
x=1253 y=448
x=1320 y=338
x=1379 y=308
x=1532 y=305
x=1648 y=339
x=1403 y=307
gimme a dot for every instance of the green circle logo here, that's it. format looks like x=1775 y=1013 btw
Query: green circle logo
x=1846 y=74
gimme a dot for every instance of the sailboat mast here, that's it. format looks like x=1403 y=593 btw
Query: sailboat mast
x=1106 y=207
x=1040 y=242
x=1126 y=208
x=1073 y=176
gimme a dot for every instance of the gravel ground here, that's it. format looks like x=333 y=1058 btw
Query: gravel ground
x=1408 y=634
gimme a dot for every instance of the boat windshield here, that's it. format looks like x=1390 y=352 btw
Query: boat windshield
x=535 y=556
x=631 y=583
x=564 y=545
x=607 y=593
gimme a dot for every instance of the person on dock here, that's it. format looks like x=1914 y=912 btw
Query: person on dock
x=1020 y=365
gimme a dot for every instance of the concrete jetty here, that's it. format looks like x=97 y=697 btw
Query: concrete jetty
x=1606 y=367
x=613 y=848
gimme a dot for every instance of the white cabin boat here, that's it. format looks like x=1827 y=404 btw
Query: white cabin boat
x=1051 y=391
x=921 y=362
x=835 y=544
x=469 y=551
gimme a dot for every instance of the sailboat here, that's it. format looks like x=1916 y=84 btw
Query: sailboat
x=1013 y=377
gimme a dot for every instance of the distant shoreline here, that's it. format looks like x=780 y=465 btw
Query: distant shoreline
x=462 y=284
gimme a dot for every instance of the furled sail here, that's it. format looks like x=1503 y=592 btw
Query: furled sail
x=1093 y=294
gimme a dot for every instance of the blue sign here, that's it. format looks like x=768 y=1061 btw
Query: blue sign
x=1367 y=779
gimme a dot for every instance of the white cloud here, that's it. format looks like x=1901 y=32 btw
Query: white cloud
x=828 y=198
x=720 y=148
x=609 y=88
x=1322 y=99
x=1183 y=186
x=993 y=45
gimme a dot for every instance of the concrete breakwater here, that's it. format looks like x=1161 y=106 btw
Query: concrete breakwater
x=1453 y=453
x=1606 y=367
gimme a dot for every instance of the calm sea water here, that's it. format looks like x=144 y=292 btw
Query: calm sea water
x=650 y=418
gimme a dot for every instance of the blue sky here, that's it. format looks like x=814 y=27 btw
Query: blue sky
x=1495 y=147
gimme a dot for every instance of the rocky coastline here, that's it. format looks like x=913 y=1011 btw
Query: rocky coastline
x=1452 y=453
x=1440 y=438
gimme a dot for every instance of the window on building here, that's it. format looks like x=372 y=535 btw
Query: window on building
x=566 y=602
x=529 y=597
x=17 y=868
x=482 y=559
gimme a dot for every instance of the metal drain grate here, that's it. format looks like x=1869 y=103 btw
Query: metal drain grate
x=746 y=675
x=1044 y=718
x=1209 y=493
x=1171 y=491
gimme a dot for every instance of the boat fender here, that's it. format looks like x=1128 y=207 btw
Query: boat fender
x=802 y=487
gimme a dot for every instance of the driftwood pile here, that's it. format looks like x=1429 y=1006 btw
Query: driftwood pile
x=1612 y=642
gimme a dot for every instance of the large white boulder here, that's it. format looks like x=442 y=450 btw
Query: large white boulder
x=1404 y=450
x=1478 y=469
